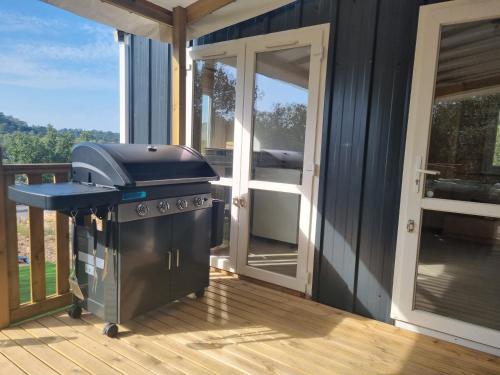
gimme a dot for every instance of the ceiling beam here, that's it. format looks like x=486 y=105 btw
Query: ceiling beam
x=202 y=8
x=145 y=9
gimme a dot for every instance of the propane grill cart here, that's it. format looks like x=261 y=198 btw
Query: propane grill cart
x=143 y=225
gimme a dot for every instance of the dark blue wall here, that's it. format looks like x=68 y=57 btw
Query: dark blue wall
x=149 y=99
x=366 y=105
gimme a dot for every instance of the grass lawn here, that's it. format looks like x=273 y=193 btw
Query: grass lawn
x=24 y=281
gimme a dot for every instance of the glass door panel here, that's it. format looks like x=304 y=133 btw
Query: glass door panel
x=274 y=231
x=279 y=114
x=217 y=82
x=458 y=268
x=213 y=113
x=464 y=147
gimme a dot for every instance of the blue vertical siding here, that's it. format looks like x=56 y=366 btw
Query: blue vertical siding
x=149 y=105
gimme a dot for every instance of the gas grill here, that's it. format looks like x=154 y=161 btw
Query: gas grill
x=144 y=223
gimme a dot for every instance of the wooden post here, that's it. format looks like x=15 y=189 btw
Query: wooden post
x=62 y=245
x=37 y=247
x=179 y=76
x=4 y=272
x=11 y=244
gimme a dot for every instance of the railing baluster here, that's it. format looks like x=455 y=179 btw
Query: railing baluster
x=4 y=270
x=62 y=245
x=37 y=247
x=12 y=250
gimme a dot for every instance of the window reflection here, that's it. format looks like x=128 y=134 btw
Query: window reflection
x=214 y=98
x=274 y=231
x=465 y=142
x=279 y=115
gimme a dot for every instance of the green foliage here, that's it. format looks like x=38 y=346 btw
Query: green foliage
x=24 y=281
x=44 y=144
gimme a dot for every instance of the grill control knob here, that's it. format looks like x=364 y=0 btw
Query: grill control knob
x=182 y=204
x=142 y=209
x=198 y=201
x=163 y=206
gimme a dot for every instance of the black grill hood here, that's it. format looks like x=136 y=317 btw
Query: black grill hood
x=129 y=165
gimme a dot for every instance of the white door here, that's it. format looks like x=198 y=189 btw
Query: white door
x=215 y=94
x=447 y=275
x=274 y=148
x=280 y=121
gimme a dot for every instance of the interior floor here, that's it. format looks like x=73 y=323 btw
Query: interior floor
x=459 y=279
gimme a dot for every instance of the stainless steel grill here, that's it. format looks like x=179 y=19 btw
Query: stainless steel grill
x=144 y=223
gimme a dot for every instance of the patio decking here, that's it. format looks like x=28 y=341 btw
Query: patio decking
x=238 y=327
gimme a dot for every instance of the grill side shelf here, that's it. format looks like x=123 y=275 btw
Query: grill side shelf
x=63 y=196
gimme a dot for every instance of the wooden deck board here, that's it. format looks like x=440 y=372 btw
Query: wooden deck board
x=237 y=328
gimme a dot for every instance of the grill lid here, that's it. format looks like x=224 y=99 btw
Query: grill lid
x=128 y=165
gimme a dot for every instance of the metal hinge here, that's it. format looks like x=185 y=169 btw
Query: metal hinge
x=410 y=226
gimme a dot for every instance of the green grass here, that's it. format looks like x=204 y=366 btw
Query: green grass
x=24 y=281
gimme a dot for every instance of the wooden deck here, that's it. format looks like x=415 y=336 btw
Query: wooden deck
x=238 y=327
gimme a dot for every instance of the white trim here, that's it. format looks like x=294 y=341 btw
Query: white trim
x=450 y=338
x=431 y=19
x=124 y=71
x=317 y=38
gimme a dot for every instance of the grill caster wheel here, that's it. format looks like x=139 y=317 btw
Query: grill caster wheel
x=110 y=330
x=75 y=312
x=200 y=293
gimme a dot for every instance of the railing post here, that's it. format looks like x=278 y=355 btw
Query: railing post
x=4 y=271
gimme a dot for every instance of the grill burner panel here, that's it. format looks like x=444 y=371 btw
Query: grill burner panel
x=162 y=207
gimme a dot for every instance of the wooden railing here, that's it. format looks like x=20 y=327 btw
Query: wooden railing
x=11 y=308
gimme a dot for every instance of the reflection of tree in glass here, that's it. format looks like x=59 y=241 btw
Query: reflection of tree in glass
x=214 y=86
x=464 y=141
x=281 y=128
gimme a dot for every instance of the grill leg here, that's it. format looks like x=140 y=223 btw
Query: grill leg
x=110 y=330
x=200 y=293
x=75 y=311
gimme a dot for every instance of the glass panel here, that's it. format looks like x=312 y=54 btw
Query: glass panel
x=458 y=268
x=274 y=231
x=224 y=194
x=214 y=97
x=279 y=114
x=465 y=142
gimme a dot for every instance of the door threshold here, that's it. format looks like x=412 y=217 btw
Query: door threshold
x=450 y=338
x=262 y=283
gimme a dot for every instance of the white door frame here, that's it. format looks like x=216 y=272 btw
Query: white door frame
x=222 y=50
x=431 y=19
x=317 y=37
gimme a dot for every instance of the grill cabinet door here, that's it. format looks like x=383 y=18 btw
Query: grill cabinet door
x=144 y=265
x=190 y=247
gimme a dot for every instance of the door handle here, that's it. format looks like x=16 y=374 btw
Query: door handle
x=419 y=171
x=169 y=260
x=178 y=258
x=428 y=171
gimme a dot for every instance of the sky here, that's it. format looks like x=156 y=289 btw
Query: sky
x=57 y=68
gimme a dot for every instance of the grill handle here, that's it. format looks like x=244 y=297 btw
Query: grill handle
x=169 y=260
x=178 y=258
